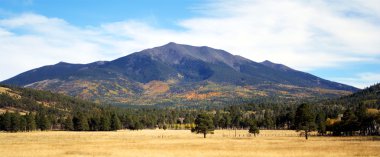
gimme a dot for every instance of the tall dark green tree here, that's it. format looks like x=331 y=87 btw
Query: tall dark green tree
x=94 y=123
x=80 y=122
x=203 y=124
x=69 y=125
x=42 y=120
x=137 y=125
x=349 y=122
x=105 y=123
x=15 y=122
x=225 y=121
x=217 y=118
x=30 y=122
x=364 y=120
x=268 y=119
x=320 y=121
x=23 y=123
x=1 y=122
x=115 y=122
x=7 y=121
x=253 y=129
x=304 y=119
x=236 y=116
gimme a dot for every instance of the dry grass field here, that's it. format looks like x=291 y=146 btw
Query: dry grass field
x=175 y=143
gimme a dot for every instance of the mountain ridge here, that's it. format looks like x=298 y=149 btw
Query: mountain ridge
x=174 y=66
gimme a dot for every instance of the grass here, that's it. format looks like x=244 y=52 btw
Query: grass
x=173 y=143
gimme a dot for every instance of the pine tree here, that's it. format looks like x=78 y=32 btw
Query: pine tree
x=7 y=121
x=69 y=123
x=204 y=124
x=95 y=123
x=42 y=120
x=320 y=120
x=349 y=122
x=30 y=122
x=23 y=123
x=304 y=119
x=105 y=124
x=268 y=119
x=253 y=129
x=80 y=122
x=115 y=122
x=137 y=125
x=44 y=123
x=1 y=122
x=15 y=122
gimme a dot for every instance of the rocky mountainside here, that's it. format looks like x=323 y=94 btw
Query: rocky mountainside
x=176 y=74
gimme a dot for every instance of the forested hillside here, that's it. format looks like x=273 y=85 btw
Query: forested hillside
x=30 y=100
x=369 y=96
x=39 y=110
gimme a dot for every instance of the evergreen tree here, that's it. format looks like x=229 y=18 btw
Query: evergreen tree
x=15 y=122
x=80 y=122
x=7 y=121
x=225 y=121
x=30 y=122
x=268 y=119
x=94 y=123
x=42 y=120
x=1 y=122
x=236 y=116
x=364 y=120
x=69 y=125
x=105 y=124
x=253 y=129
x=203 y=124
x=217 y=118
x=349 y=122
x=137 y=125
x=23 y=123
x=115 y=122
x=320 y=120
x=304 y=119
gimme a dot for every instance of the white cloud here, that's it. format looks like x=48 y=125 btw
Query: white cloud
x=301 y=34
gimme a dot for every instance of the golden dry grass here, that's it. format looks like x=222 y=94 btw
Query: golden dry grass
x=174 y=143
x=4 y=90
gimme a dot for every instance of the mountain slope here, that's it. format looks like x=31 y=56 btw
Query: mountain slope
x=369 y=96
x=26 y=100
x=176 y=74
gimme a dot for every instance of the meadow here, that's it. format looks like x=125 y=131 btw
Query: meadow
x=174 y=143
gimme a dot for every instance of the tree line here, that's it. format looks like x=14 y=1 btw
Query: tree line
x=357 y=120
x=49 y=111
x=15 y=122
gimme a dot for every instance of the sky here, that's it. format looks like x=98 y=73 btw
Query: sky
x=337 y=40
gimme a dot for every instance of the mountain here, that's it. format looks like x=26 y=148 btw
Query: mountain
x=176 y=74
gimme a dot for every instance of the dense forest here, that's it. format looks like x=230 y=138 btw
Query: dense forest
x=357 y=114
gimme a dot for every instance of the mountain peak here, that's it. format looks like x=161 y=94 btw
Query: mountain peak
x=62 y=63
x=174 y=53
x=267 y=62
x=172 y=43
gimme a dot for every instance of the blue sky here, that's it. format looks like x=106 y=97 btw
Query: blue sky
x=163 y=13
x=336 y=40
